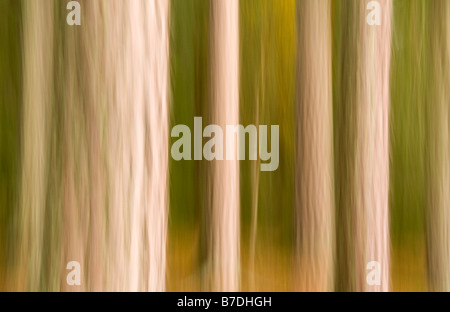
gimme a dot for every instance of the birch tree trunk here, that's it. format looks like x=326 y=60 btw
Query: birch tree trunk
x=438 y=148
x=225 y=111
x=314 y=152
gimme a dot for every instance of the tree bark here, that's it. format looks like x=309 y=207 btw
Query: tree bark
x=372 y=160
x=314 y=182
x=362 y=147
x=225 y=173
x=115 y=147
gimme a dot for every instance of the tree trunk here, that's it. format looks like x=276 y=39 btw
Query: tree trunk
x=363 y=150
x=371 y=224
x=37 y=110
x=225 y=173
x=373 y=149
x=114 y=147
x=314 y=183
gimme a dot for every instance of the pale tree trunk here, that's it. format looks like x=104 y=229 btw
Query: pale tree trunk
x=116 y=147
x=225 y=173
x=114 y=152
x=314 y=173
x=156 y=15
x=38 y=59
x=438 y=148
x=362 y=110
x=371 y=213
x=138 y=147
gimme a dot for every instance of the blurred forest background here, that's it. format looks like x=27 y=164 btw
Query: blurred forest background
x=68 y=180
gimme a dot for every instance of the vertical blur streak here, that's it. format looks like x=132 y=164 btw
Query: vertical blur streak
x=362 y=109
x=407 y=185
x=156 y=15
x=138 y=132
x=119 y=150
x=75 y=166
x=10 y=120
x=345 y=86
x=268 y=36
x=225 y=111
x=438 y=148
x=93 y=111
x=113 y=72
x=314 y=152
x=37 y=99
x=372 y=160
